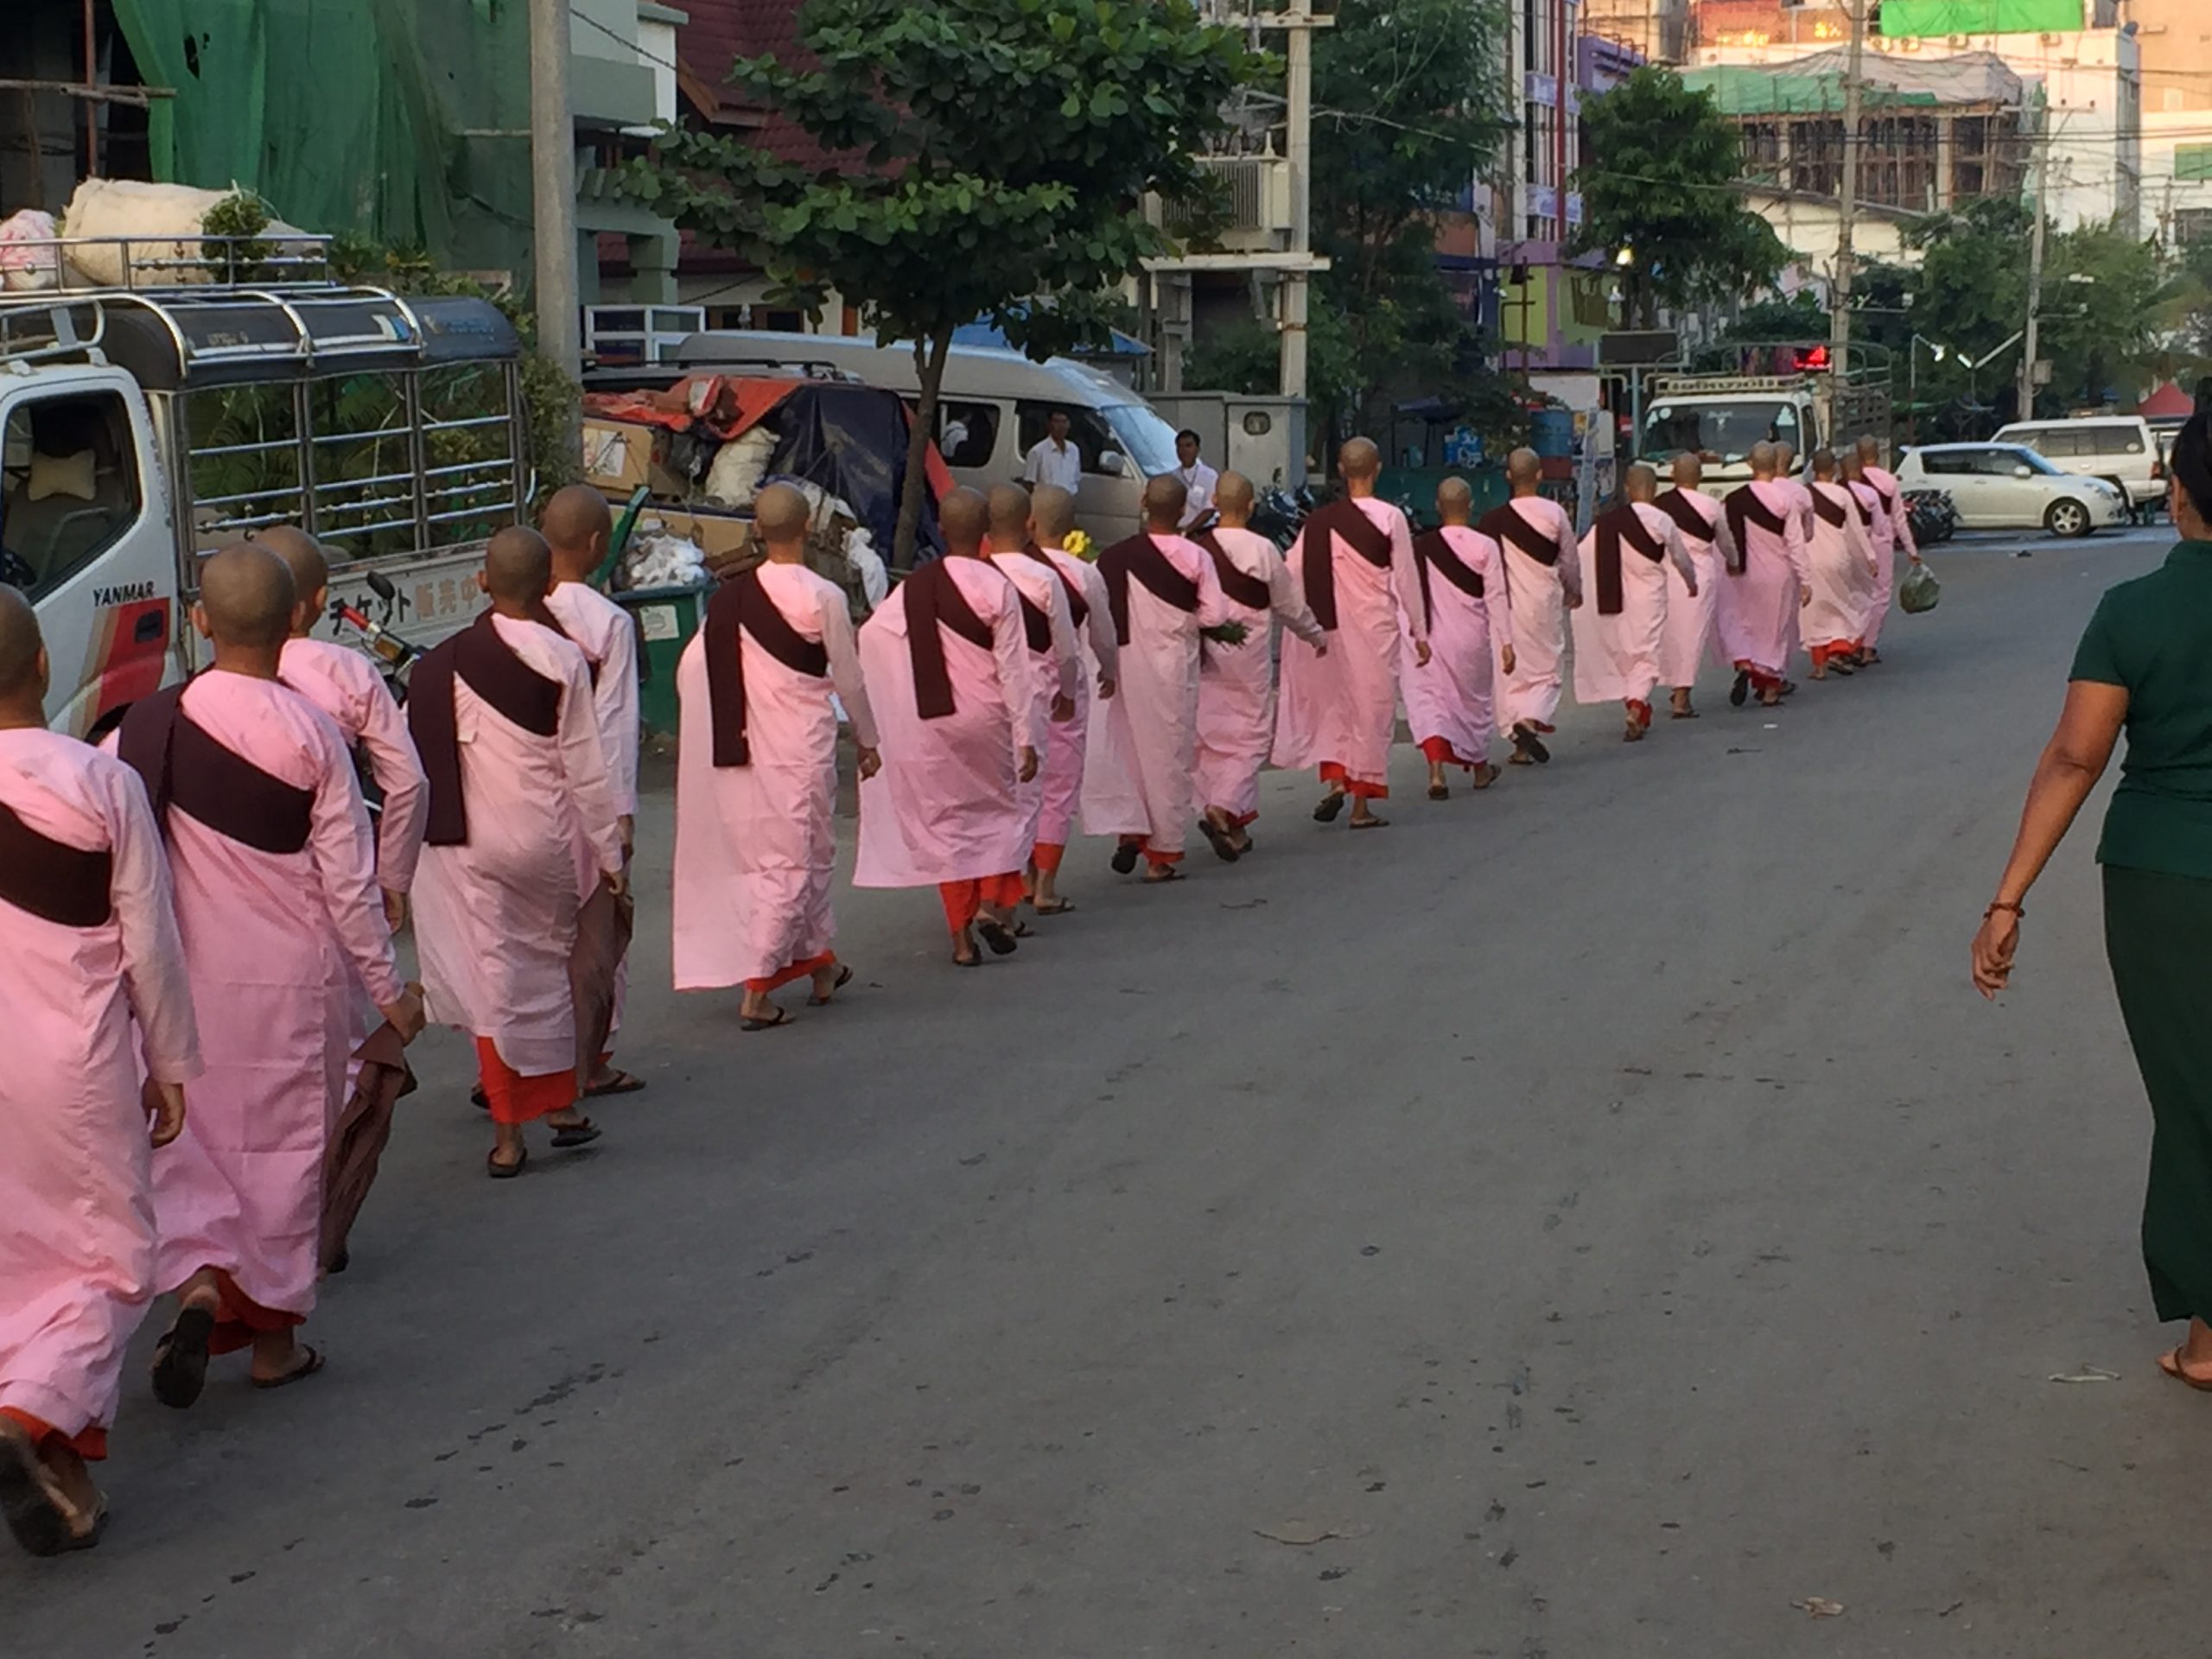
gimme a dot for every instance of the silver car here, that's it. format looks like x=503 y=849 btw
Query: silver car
x=2009 y=486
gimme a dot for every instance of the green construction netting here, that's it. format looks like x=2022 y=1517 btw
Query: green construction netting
x=1741 y=90
x=402 y=119
x=1909 y=17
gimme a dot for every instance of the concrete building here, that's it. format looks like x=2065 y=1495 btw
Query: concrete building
x=2175 y=40
x=1657 y=30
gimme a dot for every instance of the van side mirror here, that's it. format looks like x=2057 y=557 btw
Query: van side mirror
x=1113 y=463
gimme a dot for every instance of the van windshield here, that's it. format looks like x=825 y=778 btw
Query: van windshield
x=1145 y=438
x=1718 y=430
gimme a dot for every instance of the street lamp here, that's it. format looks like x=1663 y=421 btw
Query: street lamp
x=1937 y=353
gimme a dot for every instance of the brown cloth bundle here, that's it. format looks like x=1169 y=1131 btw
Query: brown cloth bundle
x=357 y=1141
x=603 y=928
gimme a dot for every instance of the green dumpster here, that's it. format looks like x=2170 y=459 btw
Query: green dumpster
x=666 y=618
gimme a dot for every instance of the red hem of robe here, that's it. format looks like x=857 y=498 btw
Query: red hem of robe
x=1439 y=752
x=784 y=976
x=1333 y=772
x=89 y=1443
x=517 y=1099
x=964 y=901
x=1046 y=855
x=239 y=1318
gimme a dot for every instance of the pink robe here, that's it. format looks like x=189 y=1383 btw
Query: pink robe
x=946 y=806
x=1342 y=710
x=1890 y=531
x=1540 y=593
x=274 y=943
x=756 y=845
x=1138 y=779
x=1693 y=623
x=607 y=636
x=1758 y=608
x=76 y=1203
x=1452 y=698
x=495 y=918
x=1840 y=561
x=1616 y=656
x=345 y=685
x=1068 y=750
x=1236 y=684
x=1059 y=669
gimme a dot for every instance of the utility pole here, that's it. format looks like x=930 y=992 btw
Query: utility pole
x=1297 y=23
x=2029 y=335
x=553 y=187
x=1847 y=207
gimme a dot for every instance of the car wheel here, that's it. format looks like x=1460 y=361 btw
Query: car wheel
x=2068 y=518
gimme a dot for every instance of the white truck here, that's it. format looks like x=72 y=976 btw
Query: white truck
x=141 y=428
x=1720 y=416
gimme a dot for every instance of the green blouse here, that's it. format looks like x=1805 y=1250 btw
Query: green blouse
x=2153 y=637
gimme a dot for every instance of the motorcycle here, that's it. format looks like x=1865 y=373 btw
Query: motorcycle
x=396 y=656
x=1279 y=512
x=1933 y=516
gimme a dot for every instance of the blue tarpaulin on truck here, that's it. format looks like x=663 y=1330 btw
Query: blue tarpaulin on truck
x=852 y=442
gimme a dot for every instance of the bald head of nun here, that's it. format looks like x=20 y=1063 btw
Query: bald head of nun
x=245 y=598
x=1524 y=471
x=517 y=570
x=1763 y=459
x=780 y=516
x=965 y=518
x=1870 y=450
x=1689 y=470
x=1052 y=509
x=1233 y=497
x=22 y=654
x=1641 y=483
x=1824 y=464
x=1785 y=458
x=1455 y=502
x=1853 y=466
x=1165 y=498
x=1008 y=506
x=304 y=556
x=577 y=524
x=1359 y=461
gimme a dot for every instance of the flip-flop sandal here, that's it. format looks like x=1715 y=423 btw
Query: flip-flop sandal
x=753 y=1022
x=1682 y=714
x=999 y=939
x=37 y=1514
x=180 y=1358
x=959 y=960
x=844 y=978
x=1739 y=693
x=1633 y=734
x=1788 y=687
x=1057 y=907
x=479 y=1099
x=1484 y=776
x=1844 y=669
x=576 y=1135
x=1124 y=860
x=2170 y=1364
x=1331 y=804
x=1527 y=742
x=1370 y=824
x=622 y=1083
x=500 y=1172
x=1440 y=791
x=299 y=1373
x=1160 y=875
x=1217 y=838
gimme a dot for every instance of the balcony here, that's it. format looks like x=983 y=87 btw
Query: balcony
x=1255 y=192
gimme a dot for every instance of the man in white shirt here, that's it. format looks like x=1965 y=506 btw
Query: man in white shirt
x=1199 y=481
x=1056 y=459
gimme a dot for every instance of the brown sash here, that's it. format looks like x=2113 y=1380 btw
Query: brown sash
x=1078 y=606
x=186 y=768
x=742 y=603
x=933 y=601
x=1433 y=550
x=1687 y=518
x=1865 y=513
x=1250 y=592
x=50 y=879
x=1612 y=529
x=1036 y=623
x=1316 y=541
x=494 y=672
x=1140 y=556
x=1505 y=524
x=1745 y=507
x=1830 y=511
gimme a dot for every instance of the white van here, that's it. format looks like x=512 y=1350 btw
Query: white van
x=994 y=406
x=2119 y=448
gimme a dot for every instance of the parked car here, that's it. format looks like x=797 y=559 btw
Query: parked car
x=2121 y=449
x=2008 y=485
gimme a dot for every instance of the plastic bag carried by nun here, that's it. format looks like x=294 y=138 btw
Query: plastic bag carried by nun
x=1919 y=591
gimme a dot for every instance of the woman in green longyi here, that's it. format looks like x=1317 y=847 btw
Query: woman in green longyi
x=2144 y=666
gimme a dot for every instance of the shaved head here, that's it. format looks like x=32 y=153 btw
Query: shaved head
x=964 y=517
x=517 y=567
x=1165 y=498
x=577 y=524
x=1824 y=463
x=1869 y=449
x=1052 y=509
x=1009 y=506
x=1524 y=471
x=304 y=556
x=1785 y=458
x=1762 y=460
x=247 y=597
x=1455 y=501
x=1854 y=465
x=1640 y=483
x=22 y=652
x=780 y=515
x=1689 y=470
x=1359 y=459
x=1233 y=497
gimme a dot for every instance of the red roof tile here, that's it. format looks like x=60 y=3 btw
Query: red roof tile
x=719 y=32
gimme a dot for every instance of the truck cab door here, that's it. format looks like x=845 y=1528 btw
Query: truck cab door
x=85 y=532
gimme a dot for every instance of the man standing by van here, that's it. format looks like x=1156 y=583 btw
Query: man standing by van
x=1056 y=459
x=1200 y=482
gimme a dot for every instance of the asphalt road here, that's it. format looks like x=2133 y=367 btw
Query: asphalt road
x=1603 y=1205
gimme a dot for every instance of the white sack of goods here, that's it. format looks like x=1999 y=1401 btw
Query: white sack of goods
x=164 y=225
x=738 y=466
x=24 y=265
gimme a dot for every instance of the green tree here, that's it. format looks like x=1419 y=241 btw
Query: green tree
x=993 y=158
x=1659 y=183
x=1408 y=104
